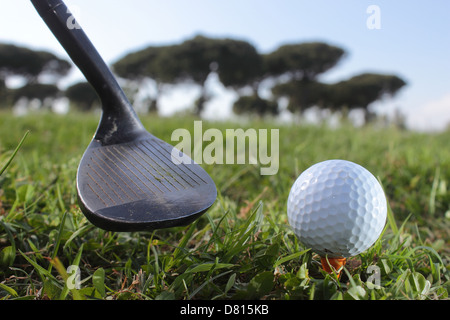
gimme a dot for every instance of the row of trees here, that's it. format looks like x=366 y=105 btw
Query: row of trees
x=34 y=68
x=39 y=73
x=292 y=71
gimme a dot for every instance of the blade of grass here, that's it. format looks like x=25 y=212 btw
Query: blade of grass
x=240 y=239
x=8 y=162
x=75 y=262
x=208 y=266
x=215 y=238
x=182 y=245
x=210 y=280
x=290 y=257
x=58 y=238
x=391 y=219
x=40 y=270
x=432 y=199
x=390 y=213
x=11 y=291
x=426 y=248
x=98 y=279
x=63 y=273
x=10 y=237
x=78 y=232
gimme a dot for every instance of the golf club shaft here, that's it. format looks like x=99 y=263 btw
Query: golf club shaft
x=80 y=49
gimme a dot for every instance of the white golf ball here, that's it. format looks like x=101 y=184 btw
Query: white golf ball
x=337 y=208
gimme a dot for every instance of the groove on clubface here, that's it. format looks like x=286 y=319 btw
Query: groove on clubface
x=134 y=171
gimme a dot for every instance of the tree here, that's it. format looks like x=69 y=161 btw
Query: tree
x=83 y=96
x=299 y=65
x=236 y=62
x=239 y=65
x=141 y=66
x=192 y=60
x=4 y=94
x=302 y=94
x=304 y=61
x=30 y=64
x=32 y=91
x=254 y=105
x=362 y=90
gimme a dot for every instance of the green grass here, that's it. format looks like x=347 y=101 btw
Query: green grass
x=243 y=247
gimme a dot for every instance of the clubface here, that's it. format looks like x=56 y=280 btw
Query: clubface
x=128 y=179
x=138 y=186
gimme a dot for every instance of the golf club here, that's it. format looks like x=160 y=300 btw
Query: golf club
x=127 y=179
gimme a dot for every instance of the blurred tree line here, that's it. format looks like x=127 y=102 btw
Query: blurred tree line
x=34 y=68
x=291 y=70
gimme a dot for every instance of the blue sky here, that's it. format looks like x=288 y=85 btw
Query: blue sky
x=413 y=42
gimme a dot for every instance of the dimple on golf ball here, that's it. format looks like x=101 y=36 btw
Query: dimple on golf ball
x=337 y=208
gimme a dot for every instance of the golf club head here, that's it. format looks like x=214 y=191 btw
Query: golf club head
x=127 y=179
x=141 y=185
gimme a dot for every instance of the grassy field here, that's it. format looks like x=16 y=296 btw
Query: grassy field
x=243 y=247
